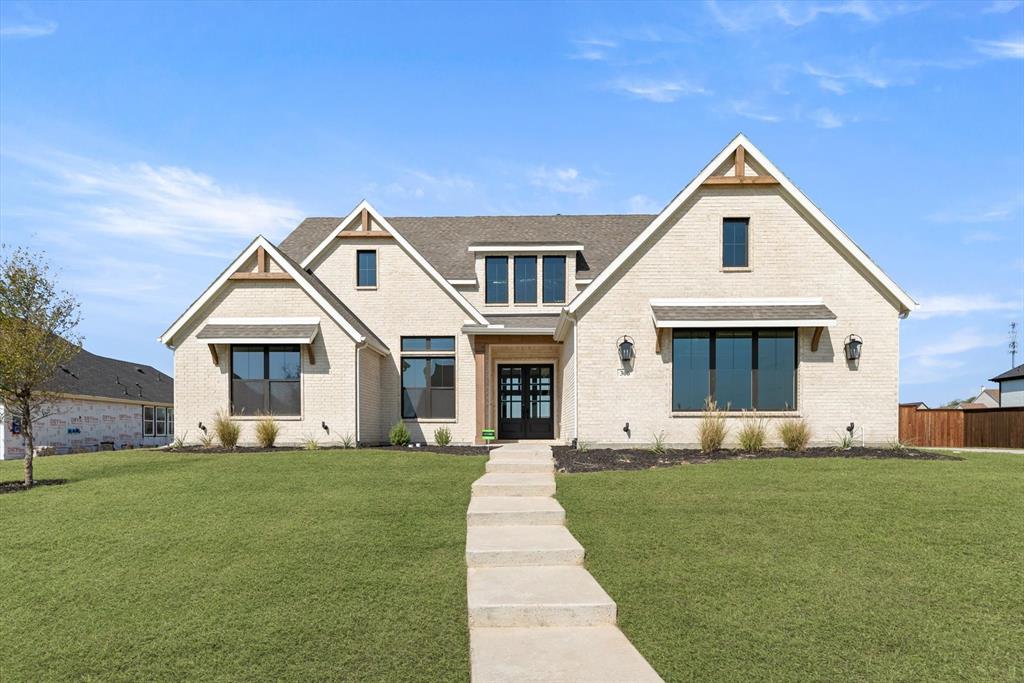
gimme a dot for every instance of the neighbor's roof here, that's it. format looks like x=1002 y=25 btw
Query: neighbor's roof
x=90 y=375
x=1015 y=373
x=445 y=240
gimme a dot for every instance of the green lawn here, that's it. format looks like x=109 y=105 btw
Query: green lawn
x=823 y=569
x=343 y=565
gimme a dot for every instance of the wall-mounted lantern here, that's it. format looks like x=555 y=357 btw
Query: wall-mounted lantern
x=852 y=347
x=627 y=350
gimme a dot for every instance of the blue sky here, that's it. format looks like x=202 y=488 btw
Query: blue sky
x=144 y=145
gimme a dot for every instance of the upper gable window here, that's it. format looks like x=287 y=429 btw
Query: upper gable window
x=366 y=268
x=735 y=238
x=526 y=279
x=497 y=279
x=554 y=279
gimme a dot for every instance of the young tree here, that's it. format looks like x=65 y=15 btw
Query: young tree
x=37 y=336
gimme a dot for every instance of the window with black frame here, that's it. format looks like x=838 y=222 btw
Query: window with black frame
x=526 y=279
x=735 y=243
x=266 y=380
x=428 y=378
x=149 y=420
x=554 y=279
x=496 y=273
x=737 y=369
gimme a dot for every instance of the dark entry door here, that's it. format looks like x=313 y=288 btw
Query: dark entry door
x=525 y=402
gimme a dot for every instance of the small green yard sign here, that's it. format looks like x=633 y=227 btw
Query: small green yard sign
x=487 y=435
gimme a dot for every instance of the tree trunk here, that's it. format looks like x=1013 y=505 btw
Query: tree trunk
x=26 y=427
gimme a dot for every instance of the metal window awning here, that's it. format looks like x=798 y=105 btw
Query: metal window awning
x=260 y=331
x=702 y=313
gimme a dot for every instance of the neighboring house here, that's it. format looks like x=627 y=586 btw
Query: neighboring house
x=104 y=404
x=1011 y=387
x=740 y=289
x=988 y=398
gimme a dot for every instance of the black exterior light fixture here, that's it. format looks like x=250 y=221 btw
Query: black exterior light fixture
x=202 y=426
x=852 y=347
x=627 y=350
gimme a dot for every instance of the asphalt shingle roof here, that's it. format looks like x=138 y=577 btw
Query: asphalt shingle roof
x=1015 y=373
x=90 y=375
x=218 y=331
x=519 y=322
x=789 y=312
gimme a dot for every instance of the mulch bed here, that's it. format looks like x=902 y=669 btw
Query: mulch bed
x=15 y=486
x=568 y=459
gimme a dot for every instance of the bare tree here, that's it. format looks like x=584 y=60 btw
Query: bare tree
x=38 y=326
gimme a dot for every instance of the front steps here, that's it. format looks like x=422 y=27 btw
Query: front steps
x=535 y=614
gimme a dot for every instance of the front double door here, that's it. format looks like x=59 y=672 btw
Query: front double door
x=525 y=402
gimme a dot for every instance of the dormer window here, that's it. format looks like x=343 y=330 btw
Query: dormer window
x=526 y=279
x=497 y=279
x=554 y=279
x=735 y=248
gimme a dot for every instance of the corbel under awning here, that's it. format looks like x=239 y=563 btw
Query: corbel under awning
x=301 y=331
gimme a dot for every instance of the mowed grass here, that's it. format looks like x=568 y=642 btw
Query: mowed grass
x=340 y=565
x=823 y=569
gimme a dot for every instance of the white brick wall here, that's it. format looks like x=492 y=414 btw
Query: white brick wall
x=788 y=258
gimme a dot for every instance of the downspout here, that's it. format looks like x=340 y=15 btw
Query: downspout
x=576 y=381
x=359 y=347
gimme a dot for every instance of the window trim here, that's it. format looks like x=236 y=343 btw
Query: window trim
x=525 y=258
x=428 y=356
x=266 y=371
x=487 y=281
x=152 y=421
x=712 y=333
x=721 y=243
x=376 y=268
x=543 y=278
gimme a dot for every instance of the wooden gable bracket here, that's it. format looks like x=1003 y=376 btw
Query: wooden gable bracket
x=309 y=352
x=741 y=177
x=657 y=339
x=213 y=354
x=816 y=338
x=363 y=231
x=365 y=217
x=261 y=260
x=261 y=272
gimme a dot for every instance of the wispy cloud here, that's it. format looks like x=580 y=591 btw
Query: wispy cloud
x=28 y=29
x=748 y=111
x=840 y=79
x=658 y=91
x=417 y=184
x=169 y=207
x=826 y=118
x=961 y=305
x=933 y=362
x=1001 y=6
x=981 y=236
x=641 y=203
x=748 y=16
x=593 y=49
x=566 y=180
x=993 y=213
x=1008 y=48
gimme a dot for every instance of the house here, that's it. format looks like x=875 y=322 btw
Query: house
x=605 y=329
x=104 y=403
x=987 y=398
x=1011 y=387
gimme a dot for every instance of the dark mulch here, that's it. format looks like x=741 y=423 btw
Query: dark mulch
x=15 y=486
x=448 y=450
x=568 y=459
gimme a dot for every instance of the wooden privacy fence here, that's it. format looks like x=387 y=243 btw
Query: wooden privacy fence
x=990 y=427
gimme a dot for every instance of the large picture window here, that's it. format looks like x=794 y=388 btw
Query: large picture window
x=526 y=279
x=496 y=268
x=265 y=379
x=554 y=279
x=737 y=369
x=428 y=380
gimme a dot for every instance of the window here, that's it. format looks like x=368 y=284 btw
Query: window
x=428 y=381
x=738 y=369
x=170 y=422
x=497 y=279
x=366 y=268
x=148 y=422
x=265 y=380
x=161 y=421
x=554 y=279
x=526 y=279
x=734 y=242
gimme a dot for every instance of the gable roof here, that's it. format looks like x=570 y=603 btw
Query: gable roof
x=1014 y=373
x=317 y=290
x=88 y=374
x=843 y=241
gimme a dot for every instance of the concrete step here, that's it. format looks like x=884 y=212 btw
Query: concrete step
x=514 y=510
x=590 y=654
x=507 y=546
x=504 y=484
x=536 y=596
x=521 y=465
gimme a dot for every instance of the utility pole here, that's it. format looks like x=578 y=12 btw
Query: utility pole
x=1013 y=345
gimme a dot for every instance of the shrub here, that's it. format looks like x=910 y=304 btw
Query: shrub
x=179 y=441
x=795 y=434
x=844 y=441
x=583 y=446
x=267 y=429
x=227 y=431
x=752 y=435
x=442 y=436
x=711 y=430
x=310 y=444
x=348 y=441
x=206 y=440
x=658 y=445
x=896 y=445
x=399 y=435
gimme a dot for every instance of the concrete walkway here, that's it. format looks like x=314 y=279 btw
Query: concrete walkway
x=535 y=614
